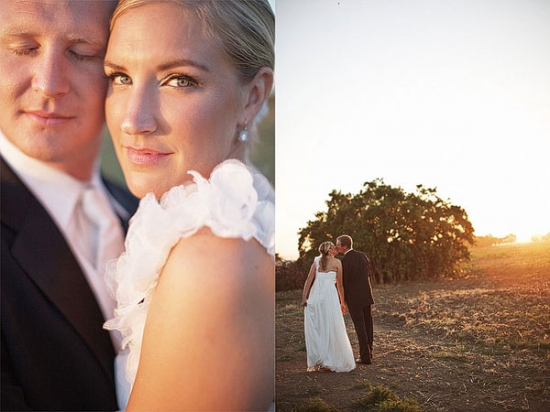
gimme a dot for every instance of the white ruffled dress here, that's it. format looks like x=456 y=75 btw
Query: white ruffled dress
x=236 y=202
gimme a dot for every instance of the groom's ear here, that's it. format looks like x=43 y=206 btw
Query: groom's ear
x=257 y=91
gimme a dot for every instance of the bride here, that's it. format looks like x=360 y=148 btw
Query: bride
x=327 y=343
x=195 y=286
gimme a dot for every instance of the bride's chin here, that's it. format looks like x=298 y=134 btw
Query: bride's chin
x=142 y=186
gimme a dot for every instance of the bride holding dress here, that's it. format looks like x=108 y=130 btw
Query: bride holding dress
x=327 y=343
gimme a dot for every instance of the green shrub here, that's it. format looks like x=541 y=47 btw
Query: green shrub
x=382 y=399
x=364 y=384
x=289 y=276
x=316 y=405
x=375 y=396
x=405 y=405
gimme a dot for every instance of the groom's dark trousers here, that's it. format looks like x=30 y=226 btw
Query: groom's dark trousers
x=55 y=353
x=359 y=299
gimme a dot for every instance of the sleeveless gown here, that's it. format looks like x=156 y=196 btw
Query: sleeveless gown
x=327 y=342
x=236 y=202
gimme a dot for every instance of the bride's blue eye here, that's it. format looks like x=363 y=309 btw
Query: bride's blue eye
x=119 y=79
x=181 y=81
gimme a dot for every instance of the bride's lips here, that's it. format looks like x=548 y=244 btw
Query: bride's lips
x=48 y=118
x=144 y=156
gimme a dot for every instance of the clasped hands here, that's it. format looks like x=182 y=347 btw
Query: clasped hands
x=343 y=308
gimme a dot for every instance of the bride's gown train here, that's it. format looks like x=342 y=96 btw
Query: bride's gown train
x=327 y=341
x=235 y=202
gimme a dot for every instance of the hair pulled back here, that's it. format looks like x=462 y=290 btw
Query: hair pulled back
x=245 y=29
x=324 y=250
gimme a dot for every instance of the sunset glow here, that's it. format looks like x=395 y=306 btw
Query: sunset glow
x=451 y=95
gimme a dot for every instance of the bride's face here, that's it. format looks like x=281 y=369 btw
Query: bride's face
x=175 y=101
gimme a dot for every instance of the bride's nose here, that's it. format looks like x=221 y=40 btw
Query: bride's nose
x=139 y=117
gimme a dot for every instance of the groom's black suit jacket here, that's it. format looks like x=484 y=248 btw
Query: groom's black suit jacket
x=356 y=280
x=55 y=353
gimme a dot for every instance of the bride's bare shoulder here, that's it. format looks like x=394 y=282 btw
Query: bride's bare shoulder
x=335 y=263
x=209 y=286
x=225 y=259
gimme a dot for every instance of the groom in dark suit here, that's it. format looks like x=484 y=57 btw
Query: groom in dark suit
x=358 y=295
x=55 y=353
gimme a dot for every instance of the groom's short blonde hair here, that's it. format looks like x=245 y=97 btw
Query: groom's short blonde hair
x=345 y=240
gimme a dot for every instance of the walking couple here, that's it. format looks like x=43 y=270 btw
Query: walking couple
x=327 y=343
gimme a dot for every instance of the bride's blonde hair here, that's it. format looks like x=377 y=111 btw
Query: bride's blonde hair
x=324 y=248
x=244 y=29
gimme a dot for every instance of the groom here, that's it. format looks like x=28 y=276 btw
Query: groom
x=358 y=295
x=55 y=353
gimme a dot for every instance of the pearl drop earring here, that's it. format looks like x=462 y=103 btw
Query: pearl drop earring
x=243 y=134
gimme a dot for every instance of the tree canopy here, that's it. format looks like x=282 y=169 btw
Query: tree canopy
x=406 y=235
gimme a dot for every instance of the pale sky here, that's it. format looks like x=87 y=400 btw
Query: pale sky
x=452 y=94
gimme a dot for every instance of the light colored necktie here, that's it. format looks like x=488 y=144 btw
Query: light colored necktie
x=98 y=236
x=102 y=238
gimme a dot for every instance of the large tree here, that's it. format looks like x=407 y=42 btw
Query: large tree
x=406 y=235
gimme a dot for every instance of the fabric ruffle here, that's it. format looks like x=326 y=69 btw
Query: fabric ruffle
x=234 y=203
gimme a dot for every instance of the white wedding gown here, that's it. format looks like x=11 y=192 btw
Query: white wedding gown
x=327 y=342
x=235 y=202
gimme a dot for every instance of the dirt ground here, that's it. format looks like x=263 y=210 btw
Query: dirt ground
x=477 y=343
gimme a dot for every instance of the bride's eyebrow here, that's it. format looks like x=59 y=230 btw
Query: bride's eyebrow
x=165 y=66
x=182 y=63
x=113 y=66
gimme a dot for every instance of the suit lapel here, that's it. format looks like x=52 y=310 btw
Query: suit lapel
x=44 y=255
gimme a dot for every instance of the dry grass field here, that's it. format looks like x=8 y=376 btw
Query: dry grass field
x=480 y=342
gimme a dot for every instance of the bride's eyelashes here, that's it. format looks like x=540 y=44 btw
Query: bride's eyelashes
x=180 y=81
x=117 y=78
x=176 y=80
